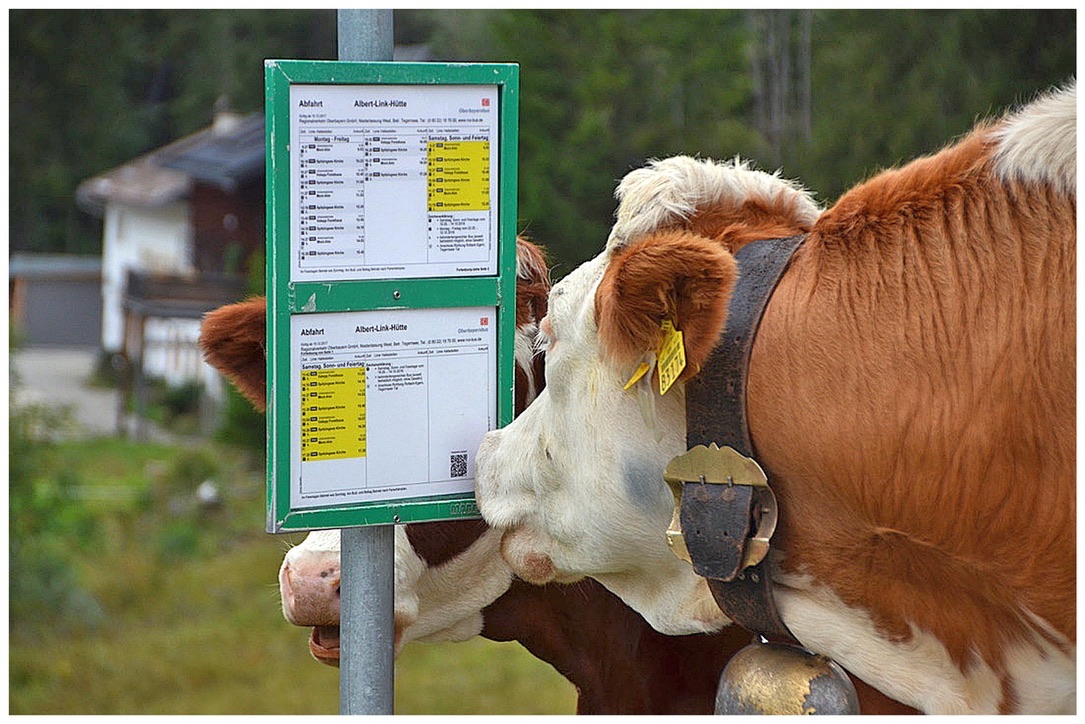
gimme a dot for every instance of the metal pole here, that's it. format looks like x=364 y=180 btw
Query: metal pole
x=366 y=678
x=365 y=34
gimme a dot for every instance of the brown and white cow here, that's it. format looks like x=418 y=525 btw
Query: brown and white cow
x=911 y=394
x=456 y=586
x=452 y=583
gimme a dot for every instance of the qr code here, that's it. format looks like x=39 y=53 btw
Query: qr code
x=457 y=465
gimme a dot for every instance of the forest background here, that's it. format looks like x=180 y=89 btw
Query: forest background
x=826 y=96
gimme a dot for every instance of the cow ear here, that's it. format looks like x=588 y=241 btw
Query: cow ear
x=232 y=339
x=672 y=275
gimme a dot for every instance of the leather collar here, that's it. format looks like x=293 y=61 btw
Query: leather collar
x=717 y=519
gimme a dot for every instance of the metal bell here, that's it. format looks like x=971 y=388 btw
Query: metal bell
x=772 y=678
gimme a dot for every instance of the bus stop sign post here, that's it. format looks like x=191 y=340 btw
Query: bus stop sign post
x=391 y=291
x=367 y=553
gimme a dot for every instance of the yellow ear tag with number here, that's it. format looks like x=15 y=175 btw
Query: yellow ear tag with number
x=671 y=356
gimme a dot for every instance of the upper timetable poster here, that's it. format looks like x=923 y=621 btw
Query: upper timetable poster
x=393 y=181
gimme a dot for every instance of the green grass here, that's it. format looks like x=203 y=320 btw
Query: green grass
x=189 y=620
x=478 y=677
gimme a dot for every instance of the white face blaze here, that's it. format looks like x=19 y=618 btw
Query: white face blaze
x=575 y=481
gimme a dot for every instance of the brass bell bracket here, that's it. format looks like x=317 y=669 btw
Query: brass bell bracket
x=713 y=465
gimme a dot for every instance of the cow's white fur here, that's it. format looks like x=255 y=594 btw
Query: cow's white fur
x=920 y=672
x=1038 y=144
x=558 y=476
x=316 y=541
x=315 y=549
x=666 y=192
x=821 y=621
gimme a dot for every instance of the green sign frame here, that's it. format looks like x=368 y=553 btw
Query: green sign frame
x=288 y=298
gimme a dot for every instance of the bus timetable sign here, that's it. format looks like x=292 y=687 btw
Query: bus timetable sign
x=391 y=265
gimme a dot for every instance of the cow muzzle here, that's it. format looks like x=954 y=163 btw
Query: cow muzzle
x=309 y=587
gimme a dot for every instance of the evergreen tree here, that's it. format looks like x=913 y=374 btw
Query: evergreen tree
x=893 y=85
x=602 y=92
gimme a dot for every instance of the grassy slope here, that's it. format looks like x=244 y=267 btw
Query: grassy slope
x=192 y=621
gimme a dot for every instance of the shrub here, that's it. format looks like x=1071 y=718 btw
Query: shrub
x=241 y=424
x=48 y=523
x=181 y=400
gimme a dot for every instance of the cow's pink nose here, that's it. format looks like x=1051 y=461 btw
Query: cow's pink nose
x=309 y=586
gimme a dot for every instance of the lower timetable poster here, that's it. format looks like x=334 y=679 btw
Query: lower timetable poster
x=389 y=403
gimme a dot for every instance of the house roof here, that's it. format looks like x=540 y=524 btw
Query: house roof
x=140 y=182
x=225 y=154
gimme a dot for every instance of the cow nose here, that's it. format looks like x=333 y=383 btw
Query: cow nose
x=309 y=586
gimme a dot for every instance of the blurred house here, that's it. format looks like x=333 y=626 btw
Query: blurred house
x=185 y=220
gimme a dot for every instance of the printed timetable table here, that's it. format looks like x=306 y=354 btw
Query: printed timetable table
x=333 y=413
x=388 y=191
x=426 y=378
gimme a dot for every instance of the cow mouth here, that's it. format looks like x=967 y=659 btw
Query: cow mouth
x=324 y=644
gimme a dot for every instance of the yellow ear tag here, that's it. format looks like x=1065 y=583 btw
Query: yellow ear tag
x=637 y=374
x=671 y=355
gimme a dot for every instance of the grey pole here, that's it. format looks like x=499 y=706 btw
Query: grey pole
x=366 y=678
x=365 y=34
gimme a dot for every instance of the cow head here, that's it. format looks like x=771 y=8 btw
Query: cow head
x=575 y=482
x=445 y=573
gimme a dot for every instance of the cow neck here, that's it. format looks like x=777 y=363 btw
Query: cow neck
x=716 y=413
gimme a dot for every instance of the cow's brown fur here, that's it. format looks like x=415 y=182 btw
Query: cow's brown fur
x=620 y=664
x=439 y=542
x=912 y=394
x=698 y=271
x=532 y=289
x=232 y=339
x=532 y=282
